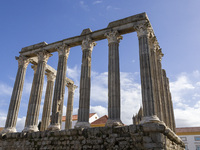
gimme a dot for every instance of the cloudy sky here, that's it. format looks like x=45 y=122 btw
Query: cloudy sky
x=175 y=23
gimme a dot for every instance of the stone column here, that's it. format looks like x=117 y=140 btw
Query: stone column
x=114 y=111
x=11 y=120
x=36 y=93
x=147 y=80
x=84 y=99
x=70 y=102
x=155 y=74
x=48 y=100
x=170 y=107
x=162 y=91
x=59 y=90
x=167 y=104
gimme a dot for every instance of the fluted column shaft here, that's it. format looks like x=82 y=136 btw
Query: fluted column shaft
x=59 y=90
x=84 y=99
x=13 y=110
x=70 y=102
x=167 y=104
x=155 y=75
x=47 y=101
x=147 y=80
x=36 y=93
x=170 y=107
x=162 y=86
x=114 y=111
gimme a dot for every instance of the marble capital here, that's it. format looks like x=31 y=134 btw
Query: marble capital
x=22 y=61
x=113 y=37
x=159 y=54
x=34 y=67
x=43 y=56
x=63 y=50
x=88 y=44
x=144 y=30
x=50 y=76
x=71 y=87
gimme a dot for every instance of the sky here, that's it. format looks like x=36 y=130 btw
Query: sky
x=175 y=23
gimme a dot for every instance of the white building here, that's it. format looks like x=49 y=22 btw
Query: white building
x=190 y=136
x=93 y=117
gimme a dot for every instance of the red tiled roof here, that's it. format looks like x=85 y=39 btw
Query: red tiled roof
x=75 y=117
x=188 y=129
x=101 y=120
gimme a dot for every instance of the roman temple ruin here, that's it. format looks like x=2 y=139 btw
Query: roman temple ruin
x=153 y=127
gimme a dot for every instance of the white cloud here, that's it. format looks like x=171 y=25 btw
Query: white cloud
x=186 y=99
x=84 y=6
x=100 y=110
x=97 y=2
x=5 y=89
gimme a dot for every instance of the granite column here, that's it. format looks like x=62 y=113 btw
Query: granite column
x=59 y=90
x=13 y=110
x=147 y=80
x=36 y=93
x=114 y=107
x=70 y=102
x=47 y=101
x=84 y=99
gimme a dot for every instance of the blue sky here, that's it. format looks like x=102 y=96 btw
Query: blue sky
x=175 y=23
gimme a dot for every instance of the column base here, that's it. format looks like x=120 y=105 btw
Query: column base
x=113 y=123
x=53 y=127
x=31 y=129
x=84 y=125
x=8 y=130
x=148 y=119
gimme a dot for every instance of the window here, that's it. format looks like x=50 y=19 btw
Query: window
x=197 y=138
x=183 y=138
x=197 y=147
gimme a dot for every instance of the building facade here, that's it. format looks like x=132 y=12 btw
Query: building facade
x=190 y=136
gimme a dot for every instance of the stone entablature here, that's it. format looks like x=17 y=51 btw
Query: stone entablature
x=152 y=136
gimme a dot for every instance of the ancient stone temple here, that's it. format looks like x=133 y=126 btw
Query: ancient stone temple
x=154 y=125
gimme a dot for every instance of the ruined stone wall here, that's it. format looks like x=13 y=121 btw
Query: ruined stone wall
x=136 y=137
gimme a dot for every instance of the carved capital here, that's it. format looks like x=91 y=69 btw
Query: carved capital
x=113 y=37
x=153 y=42
x=143 y=30
x=43 y=56
x=50 y=76
x=159 y=54
x=71 y=87
x=22 y=61
x=88 y=44
x=34 y=67
x=63 y=50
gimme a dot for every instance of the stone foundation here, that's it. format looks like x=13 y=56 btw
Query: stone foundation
x=151 y=136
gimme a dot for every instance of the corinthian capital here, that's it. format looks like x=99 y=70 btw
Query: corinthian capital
x=43 y=56
x=113 y=37
x=143 y=30
x=159 y=54
x=22 y=61
x=88 y=44
x=71 y=87
x=51 y=76
x=63 y=50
